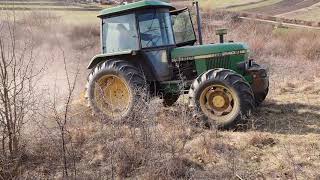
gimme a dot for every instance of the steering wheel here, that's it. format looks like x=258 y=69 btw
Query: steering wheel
x=150 y=38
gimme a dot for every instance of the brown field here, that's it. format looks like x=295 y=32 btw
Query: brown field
x=311 y=13
x=305 y=10
x=280 y=141
x=284 y=6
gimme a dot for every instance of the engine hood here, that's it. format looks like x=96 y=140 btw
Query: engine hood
x=202 y=51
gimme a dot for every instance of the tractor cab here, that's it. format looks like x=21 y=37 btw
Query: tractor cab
x=134 y=31
x=145 y=25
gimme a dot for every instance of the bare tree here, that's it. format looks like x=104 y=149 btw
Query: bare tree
x=62 y=118
x=18 y=78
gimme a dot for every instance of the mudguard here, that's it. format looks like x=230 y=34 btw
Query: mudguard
x=102 y=57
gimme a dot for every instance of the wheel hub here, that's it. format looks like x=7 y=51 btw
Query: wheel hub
x=217 y=101
x=112 y=95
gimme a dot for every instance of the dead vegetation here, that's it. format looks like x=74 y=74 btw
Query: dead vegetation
x=282 y=141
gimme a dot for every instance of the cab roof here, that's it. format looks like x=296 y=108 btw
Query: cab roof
x=144 y=4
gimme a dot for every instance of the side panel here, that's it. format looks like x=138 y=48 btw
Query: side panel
x=228 y=62
x=158 y=60
x=210 y=56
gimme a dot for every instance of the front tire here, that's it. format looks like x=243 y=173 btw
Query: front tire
x=114 y=88
x=223 y=96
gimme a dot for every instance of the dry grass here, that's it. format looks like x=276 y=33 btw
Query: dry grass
x=282 y=141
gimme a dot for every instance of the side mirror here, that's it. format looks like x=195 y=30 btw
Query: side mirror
x=221 y=33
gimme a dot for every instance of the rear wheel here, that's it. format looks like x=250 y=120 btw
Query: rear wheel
x=223 y=96
x=114 y=88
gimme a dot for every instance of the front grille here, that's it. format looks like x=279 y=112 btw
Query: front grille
x=218 y=62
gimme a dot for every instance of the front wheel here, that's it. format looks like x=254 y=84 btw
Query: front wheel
x=223 y=96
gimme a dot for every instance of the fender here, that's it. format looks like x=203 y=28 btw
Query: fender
x=102 y=57
x=133 y=56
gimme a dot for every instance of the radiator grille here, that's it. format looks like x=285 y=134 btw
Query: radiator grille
x=218 y=62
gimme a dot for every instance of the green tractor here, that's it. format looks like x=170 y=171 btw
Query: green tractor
x=149 y=47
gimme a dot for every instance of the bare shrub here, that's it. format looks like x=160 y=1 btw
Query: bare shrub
x=129 y=156
x=264 y=39
x=39 y=19
x=84 y=31
x=261 y=141
x=42 y=158
x=174 y=168
x=255 y=34
x=309 y=48
x=19 y=74
x=84 y=36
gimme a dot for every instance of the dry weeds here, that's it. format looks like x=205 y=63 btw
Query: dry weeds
x=167 y=143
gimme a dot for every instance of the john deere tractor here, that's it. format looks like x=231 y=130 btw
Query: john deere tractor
x=150 y=47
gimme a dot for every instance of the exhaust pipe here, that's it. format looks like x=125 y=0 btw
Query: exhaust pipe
x=196 y=3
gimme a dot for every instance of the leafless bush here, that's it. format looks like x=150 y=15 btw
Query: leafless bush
x=39 y=19
x=261 y=141
x=309 y=48
x=84 y=36
x=63 y=119
x=265 y=39
x=174 y=168
x=19 y=74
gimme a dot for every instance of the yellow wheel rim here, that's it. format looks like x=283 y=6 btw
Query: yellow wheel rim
x=219 y=103
x=112 y=95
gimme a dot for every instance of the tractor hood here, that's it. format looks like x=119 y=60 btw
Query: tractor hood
x=207 y=51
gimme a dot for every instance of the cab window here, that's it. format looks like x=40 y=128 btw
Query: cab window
x=120 y=34
x=155 y=28
x=183 y=27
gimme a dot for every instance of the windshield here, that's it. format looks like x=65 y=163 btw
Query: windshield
x=155 y=28
x=119 y=34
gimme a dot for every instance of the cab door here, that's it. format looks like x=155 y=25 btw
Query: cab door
x=156 y=37
x=183 y=27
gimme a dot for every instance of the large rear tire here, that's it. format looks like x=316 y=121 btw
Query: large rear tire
x=114 y=88
x=223 y=96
